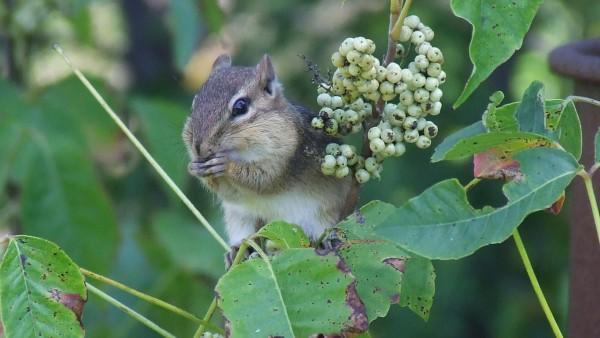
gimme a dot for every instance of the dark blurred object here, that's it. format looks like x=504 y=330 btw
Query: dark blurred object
x=581 y=62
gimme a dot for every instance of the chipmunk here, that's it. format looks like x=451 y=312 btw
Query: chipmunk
x=259 y=154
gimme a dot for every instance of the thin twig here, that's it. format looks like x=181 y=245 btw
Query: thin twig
x=535 y=284
x=589 y=188
x=143 y=150
x=134 y=314
x=575 y=98
x=472 y=183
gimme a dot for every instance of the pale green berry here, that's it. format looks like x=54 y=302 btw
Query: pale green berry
x=414 y=110
x=362 y=176
x=352 y=160
x=329 y=161
x=407 y=75
x=431 y=83
x=410 y=123
x=421 y=62
x=327 y=171
x=397 y=117
x=353 y=57
x=321 y=90
x=400 y=149
x=437 y=108
x=339 y=115
x=400 y=50
x=333 y=149
x=411 y=136
x=342 y=172
x=417 y=38
x=338 y=90
x=381 y=73
x=357 y=104
x=423 y=48
x=373 y=96
x=418 y=80
x=405 y=33
x=388 y=97
x=412 y=21
x=387 y=136
x=337 y=60
x=412 y=66
x=428 y=32
x=354 y=70
x=434 y=70
x=376 y=145
x=436 y=95
x=435 y=55
x=400 y=87
x=324 y=100
x=331 y=127
x=398 y=135
x=351 y=116
x=393 y=73
x=347 y=151
x=317 y=123
x=367 y=108
x=371 y=165
x=423 y=142
x=406 y=98
x=369 y=74
x=421 y=95
x=442 y=77
x=344 y=71
x=374 y=133
x=326 y=113
x=430 y=130
x=389 y=108
x=363 y=86
x=349 y=83
x=426 y=107
x=341 y=161
x=383 y=125
x=366 y=62
x=346 y=46
x=390 y=150
x=336 y=101
x=386 y=88
x=379 y=157
x=360 y=44
x=356 y=128
x=371 y=47
x=373 y=85
x=421 y=123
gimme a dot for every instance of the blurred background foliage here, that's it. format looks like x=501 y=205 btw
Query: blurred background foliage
x=67 y=173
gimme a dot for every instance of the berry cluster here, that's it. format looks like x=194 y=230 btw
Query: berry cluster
x=360 y=85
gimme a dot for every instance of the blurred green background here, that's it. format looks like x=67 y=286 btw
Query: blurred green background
x=67 y=173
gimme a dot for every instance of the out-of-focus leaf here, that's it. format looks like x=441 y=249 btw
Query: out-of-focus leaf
x=450 y=142
x=63 y=201
x=530 y=112
x=285 y=235
x=42 y=292
x=188 y=244
x=496 y=165
x=212 y=14
x=184 y=24
x=498 y=31
x=298 y=292
x=510 y=142
x=441 y=223
x=162 y=122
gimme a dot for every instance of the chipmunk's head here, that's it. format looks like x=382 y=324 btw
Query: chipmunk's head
x=241 y=112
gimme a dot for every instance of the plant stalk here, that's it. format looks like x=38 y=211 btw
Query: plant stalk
x=589 y=188
x=575 y=98
x=472 y=183
x=535 y=284
x=150 y=324
x=143 y=150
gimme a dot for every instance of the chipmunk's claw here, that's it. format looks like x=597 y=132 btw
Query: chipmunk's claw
x=213 y=166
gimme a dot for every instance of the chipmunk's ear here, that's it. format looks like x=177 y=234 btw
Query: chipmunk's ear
x=265 y=75
x=224 y=60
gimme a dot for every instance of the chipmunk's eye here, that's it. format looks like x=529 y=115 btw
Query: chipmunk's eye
x=240 y=107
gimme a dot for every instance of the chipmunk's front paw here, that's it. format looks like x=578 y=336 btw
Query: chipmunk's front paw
x=213 y=166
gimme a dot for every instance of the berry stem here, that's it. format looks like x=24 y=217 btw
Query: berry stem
x=472 y=183
x=575 y=98
x=589 y=188
x=535 y=284
x=131 y=312
x=161 y=172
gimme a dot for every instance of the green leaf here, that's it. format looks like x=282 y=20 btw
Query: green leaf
x=188 y=244
x=162 y=122
x=441 y=224
x=498 y=30
x=530 y=112
x=285 y=235
x=184 y=24
x=418 y=286
x=42 y=292
x=509 y=142
x=449 y=142
x=569 y=129
x=502 y=118
x=63 y=201
x=296 y=294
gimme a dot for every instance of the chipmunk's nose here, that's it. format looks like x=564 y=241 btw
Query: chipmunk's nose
x=202 y=149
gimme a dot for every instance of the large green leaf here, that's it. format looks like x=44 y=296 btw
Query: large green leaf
x=63 y=201
x=184 y=24
x=510 y=142
x=162 y=122
x=295 y=294
x=441 y=223
x=376 y=264
x=284 y=235
x=450 y=142
x=42 y=292
x=502 y=118
x=188 y=245
x=499 y=27
x=530 y=112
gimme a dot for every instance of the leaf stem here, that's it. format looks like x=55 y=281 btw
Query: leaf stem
x=395 y=32
x=535 y=284
x=472 y=183
x=575 y=98
x=142 y=150
x=589 y=188
x=145 y=297
x=213 y=306
x=150 y=324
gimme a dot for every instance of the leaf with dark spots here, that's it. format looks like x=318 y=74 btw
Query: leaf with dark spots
x=308 y=294
x=397 y=263
x=530 y=112
x=358 y=318
x=35 y=302
x=495 y=165
x=284 y=235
